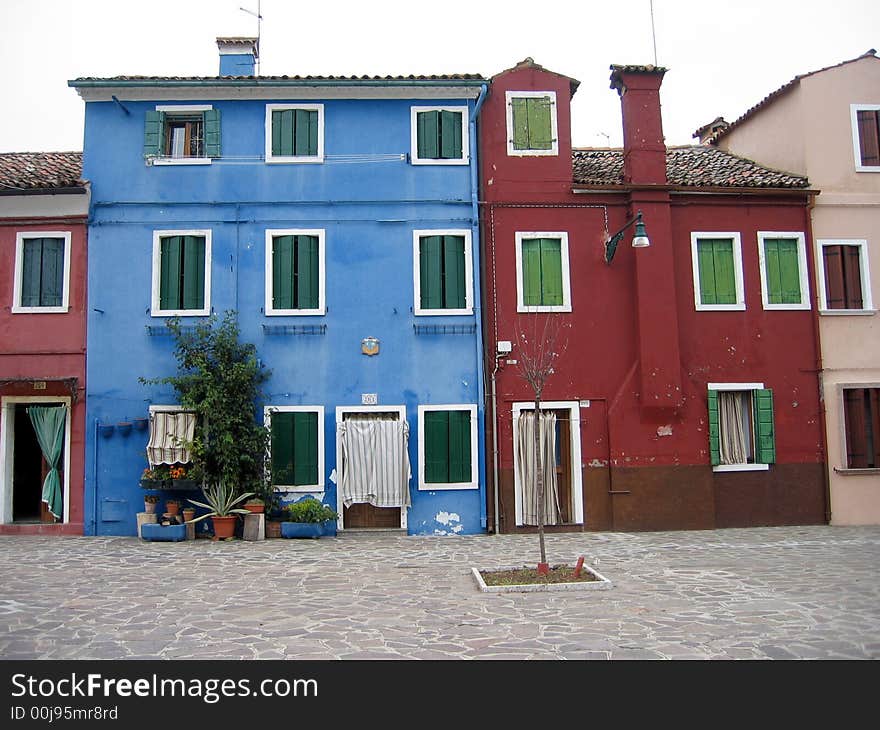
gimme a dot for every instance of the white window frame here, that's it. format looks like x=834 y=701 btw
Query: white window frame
x=268 y=308
x=857 y=148
x=521 y=306
x=184 y=109
x=155 y=310
x=844 y=468
x=293 y=159
x=267 y=423
x=20 y=238
x=468 y=272
x=740 y=304
x=751 y=387
x=425 y=486
x=864 y=272
x=573 y=408
x=802 y=269
x=554 y=149
x=414 y=136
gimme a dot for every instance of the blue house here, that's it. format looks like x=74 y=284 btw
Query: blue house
x=338 y=217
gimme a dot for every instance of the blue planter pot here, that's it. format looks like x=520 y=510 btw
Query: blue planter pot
x=328 y=528
x=301 y=529
x=163 y=533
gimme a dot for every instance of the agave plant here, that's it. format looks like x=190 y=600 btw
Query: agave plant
x=220 y=499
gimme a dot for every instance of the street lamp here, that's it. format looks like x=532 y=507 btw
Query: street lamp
x=640 y=239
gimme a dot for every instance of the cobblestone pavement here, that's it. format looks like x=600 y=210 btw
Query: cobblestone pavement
x=761 y=593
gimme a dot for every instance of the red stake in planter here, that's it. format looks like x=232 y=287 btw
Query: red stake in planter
x=543 y=568
x=579 y=567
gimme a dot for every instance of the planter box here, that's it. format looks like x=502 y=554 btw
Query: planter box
x=302 y=529
x=183 y=485
x=166 y=533
x=152 y=484
x=328 y=528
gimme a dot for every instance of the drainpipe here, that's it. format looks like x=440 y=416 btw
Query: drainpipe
x=95 y=480
x=498 y=357
x=478 y=314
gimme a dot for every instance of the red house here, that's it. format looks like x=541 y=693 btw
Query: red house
x=684 y=392
x=43 y=211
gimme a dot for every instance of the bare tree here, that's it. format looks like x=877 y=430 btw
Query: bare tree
x=540 y=344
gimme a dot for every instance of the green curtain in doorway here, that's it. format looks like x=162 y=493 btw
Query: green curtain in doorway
x=48 y=423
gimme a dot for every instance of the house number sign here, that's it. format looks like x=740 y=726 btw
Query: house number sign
x=369 y=399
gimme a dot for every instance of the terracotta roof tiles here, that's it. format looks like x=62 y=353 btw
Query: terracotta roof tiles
x=40 y=170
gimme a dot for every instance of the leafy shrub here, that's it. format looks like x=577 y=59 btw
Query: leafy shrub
x=310 y=510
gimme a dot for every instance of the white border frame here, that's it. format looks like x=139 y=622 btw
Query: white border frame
x=574 y=409
x=414 y=136
x=864 y=272
x=7 y=450
x=340 y=413
x=554 y=149
x=20 y=238
x=468 y=272
x=268 y=309
x=424 y=486
x=802 y=269
x=173 y=109
x=292 y=159
x=155 y=311
x=566 y=278
x=734 y=236
x=857 y=149
x=751 y=387
x=267 y=423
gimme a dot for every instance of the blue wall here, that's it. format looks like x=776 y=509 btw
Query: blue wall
x=368 y=208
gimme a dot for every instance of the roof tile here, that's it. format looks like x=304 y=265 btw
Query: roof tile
x=40 y=170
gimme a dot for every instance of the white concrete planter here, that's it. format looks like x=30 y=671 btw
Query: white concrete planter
x=601 y=583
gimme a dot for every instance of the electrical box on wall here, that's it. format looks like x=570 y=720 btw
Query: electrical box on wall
x=504 y=346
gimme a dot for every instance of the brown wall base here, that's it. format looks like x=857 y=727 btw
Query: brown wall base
x=68 y=528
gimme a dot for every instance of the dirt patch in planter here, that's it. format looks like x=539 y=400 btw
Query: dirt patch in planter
x=529 y=576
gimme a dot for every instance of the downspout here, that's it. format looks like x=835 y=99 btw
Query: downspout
x=478 y=314
x=95 y=485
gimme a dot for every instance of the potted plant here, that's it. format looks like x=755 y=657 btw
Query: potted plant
x=181 y=477
x=220 y=501
x=150 y=501
x=172 y=506
x=309 y=518
x=255 y=505
x=154 y=477
x=189 y=514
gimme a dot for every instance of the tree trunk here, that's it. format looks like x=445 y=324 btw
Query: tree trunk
x=539 y=478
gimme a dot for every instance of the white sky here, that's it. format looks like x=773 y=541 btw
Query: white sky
x=723 y=57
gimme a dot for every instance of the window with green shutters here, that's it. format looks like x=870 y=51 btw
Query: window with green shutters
x=446 y=443
x=41 y=273
x=442 y=276
x=783 y=270
x=542 y=272
x=531 y=123
x=295 y=272
x=717 y=268
x=181 y=275
x=183 y=133
x=439 y=135
x=741 y=428
x=294 y=132
x=295 y=447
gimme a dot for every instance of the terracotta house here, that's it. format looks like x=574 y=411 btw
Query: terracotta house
x=684 y=389
x=43 y=210
x=825 y=125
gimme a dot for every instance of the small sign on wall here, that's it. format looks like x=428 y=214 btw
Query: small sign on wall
x=369 y=399
x=370 y=346
x=39 y=385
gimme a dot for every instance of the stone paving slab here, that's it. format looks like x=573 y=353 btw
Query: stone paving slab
x=759 y=593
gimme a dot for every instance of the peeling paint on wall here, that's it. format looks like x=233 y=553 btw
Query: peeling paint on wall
x=664 y=430
x=451 y=520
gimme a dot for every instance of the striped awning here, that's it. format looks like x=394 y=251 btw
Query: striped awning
x=169 y=431
x=375 y=462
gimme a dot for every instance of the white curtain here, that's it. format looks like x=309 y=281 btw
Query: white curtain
x=375 y=461
x=168 y=431
x=732 y=437
x=527 y=466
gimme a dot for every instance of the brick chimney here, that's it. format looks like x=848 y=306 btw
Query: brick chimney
x=238 y=56
x=644 y=148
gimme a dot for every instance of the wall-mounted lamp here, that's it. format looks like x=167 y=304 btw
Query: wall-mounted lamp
x=640 y=239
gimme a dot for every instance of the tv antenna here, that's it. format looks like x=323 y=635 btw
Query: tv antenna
x=258 y=15
x=653 y=33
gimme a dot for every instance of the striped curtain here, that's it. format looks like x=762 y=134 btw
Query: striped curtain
x=375 y=460
x=527 y=466
x=730 y=417
x=169 y=430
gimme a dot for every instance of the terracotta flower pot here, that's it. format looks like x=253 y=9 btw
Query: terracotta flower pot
x=224 y=526
x=150 y=507
x=188 y=514
x=254 y=508
x=173 y=508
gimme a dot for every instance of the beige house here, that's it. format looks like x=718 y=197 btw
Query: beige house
x=826 y=125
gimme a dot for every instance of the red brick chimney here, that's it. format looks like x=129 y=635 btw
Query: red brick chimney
x=644 y=148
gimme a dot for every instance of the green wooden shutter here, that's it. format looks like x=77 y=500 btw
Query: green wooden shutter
x=431 y=272
x=540 y=128
x=551 y=271
x=169 y=280
x=282 y=272
x=306 y=272
x=305 y=448
x=437 y=446
x=453 y=272
x=282 y=448
x=428 y=135
x=520 y=123
x=282 y=133
x=717 y=276
x=531 y=271
x=450 y=135
x=782 y=271
x=714 y=430
x=154 y=134
x=212 y=132
x=301 y=133
x=765 y=442
x=459 y=446
x=193 y=272
x=52 y=275
x=31 y=270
